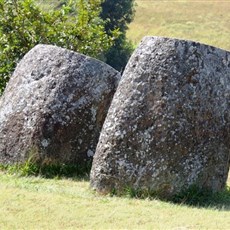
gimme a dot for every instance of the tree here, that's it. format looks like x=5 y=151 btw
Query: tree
x=23 y=25
x=118 y=13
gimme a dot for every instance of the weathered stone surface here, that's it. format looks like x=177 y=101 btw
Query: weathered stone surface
x=168 y=126
x=54 y=106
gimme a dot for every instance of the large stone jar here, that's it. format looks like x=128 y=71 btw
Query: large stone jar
x=168 y=127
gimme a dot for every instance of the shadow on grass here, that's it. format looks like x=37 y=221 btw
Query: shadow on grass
x=204 y=199
x=54 y=171
x=193 y=197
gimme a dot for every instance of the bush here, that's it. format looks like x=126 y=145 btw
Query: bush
x=23 y=25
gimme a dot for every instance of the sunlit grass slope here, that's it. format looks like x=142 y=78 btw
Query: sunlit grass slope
x=36 y=203
x=204 y=21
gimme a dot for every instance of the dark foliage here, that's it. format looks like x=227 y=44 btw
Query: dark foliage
x=118 y=13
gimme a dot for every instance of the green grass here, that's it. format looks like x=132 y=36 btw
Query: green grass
x=204 y=21
x=37 y=203
x=30 y=168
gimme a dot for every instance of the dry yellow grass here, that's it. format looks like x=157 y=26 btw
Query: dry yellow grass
x=204 y=21
x=35 y=203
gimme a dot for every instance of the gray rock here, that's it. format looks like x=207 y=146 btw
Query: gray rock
x=168 y=126
x=54 y=106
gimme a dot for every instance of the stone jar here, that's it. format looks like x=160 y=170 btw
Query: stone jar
x=168 y=127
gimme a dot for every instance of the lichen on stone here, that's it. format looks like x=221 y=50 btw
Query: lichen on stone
x=169 y=121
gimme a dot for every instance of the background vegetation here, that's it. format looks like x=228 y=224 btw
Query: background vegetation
x=203 y=21
x=76 y=25
x=119 y=14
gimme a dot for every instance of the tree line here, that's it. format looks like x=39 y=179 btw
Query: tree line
x=93 y=27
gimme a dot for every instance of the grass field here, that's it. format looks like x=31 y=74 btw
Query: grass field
x=36 y=203
x=206 y=21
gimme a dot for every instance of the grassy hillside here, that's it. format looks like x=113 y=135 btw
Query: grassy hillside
x=204 y=21
x=35 y=203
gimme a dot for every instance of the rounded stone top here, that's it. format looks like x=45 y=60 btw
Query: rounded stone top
x=147 y=39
